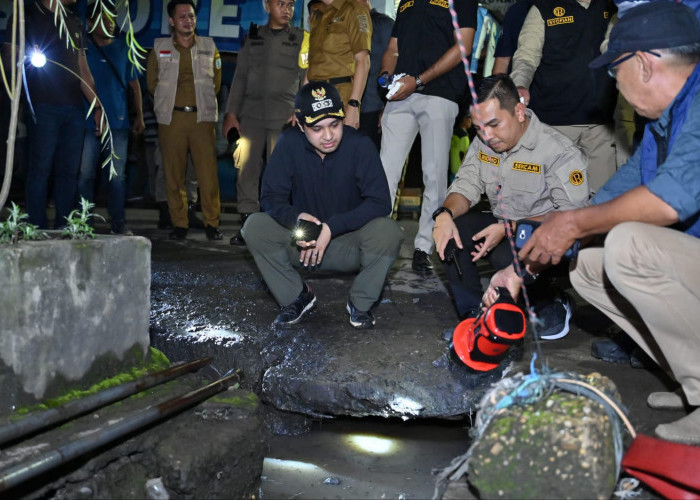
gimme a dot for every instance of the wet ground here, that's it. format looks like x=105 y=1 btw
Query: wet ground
x=325 y=463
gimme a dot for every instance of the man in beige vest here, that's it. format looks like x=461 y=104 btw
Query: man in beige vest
x=184 y=76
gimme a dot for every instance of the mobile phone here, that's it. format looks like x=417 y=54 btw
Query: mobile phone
x=524 y=229
x=305 y=230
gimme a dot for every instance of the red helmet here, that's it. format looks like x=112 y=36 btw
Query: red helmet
x=482 y=342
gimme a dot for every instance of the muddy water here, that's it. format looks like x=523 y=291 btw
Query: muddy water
x=362 y=458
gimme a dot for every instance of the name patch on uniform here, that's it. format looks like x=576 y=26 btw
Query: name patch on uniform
x=576 y=177
x=164 y=53
x=363 y=21
x=533 y=168
x=560 y=20
x=406 y=6
x=493 y=160
x=440 y=3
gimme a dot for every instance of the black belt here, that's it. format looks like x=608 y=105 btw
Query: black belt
x=186 y=109
x=339 y=80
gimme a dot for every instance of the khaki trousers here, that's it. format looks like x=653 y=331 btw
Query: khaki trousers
x=248 y=160
x=185 y=135
x=646 y=279
x=371 y=250
x=598 y=142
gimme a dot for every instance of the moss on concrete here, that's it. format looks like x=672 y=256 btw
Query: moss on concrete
x=142 y=366
x=248 y=401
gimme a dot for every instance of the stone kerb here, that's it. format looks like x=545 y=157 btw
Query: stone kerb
x=66 y=306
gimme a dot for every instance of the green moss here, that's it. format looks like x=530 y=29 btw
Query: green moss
x=154 y=362
x=249 y=400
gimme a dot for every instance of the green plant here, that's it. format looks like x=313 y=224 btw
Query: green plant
x=78 y=225
x=16 y=228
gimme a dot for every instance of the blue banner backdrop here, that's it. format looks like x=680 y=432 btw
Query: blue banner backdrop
x=227 y=21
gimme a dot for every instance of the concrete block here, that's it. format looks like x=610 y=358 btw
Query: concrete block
x=558 y=447
x=66 y=305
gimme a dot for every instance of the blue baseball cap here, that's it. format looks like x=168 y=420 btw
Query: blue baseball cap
x=659 y=24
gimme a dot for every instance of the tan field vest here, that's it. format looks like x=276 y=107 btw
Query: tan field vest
x=203 y=52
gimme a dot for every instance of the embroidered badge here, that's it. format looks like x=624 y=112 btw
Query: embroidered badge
x=559 y=11
x=363 y=21
x=440 y=3
x=532 y=168
x=321 y=101
x=576 y=177
x=406 y=6
x=493 y=160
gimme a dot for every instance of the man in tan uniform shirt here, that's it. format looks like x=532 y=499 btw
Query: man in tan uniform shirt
x=339 y=47
x=184 y=76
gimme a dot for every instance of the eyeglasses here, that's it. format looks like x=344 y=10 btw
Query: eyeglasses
x=613 y=72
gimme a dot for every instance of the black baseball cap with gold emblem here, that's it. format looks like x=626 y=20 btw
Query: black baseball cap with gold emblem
x=316 y=101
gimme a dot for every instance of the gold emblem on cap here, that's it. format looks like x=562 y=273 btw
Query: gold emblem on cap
x=319 y=94
x=559 y=11
x=576 y=177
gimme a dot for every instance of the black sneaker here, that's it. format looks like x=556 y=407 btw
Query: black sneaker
x=213 y=233
x=293 y=313
x=179 y=233
x=555 y=316
x=237 y=239
x=421 y=262
x=361 y=320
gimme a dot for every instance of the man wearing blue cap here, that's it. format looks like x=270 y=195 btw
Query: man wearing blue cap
x=329 y=175
x=646 y=276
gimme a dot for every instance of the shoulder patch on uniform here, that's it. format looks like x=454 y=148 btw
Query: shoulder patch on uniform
x=440 y=3
x=532 y=168
x=493 y=160
x=576 y=177
x=363 y=21
x=406 y=5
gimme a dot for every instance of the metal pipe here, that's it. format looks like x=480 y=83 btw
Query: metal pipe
x=28 y=469
x=37 y=421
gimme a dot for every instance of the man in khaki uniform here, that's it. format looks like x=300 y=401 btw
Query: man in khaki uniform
x=269 y=69
x=550 y=67
x=538 y=169
x=339 y=47
x=184 y=76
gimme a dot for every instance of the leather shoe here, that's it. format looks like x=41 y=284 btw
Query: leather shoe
x=421 y=262
x=213 y=233
x=665 y=401
x=179 y=233
x=686 y=430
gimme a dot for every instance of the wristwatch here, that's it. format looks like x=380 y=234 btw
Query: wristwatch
x=354 y=103
x=419 y=83
x=441 y=210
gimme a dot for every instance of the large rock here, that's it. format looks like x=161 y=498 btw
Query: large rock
x=71 y=311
